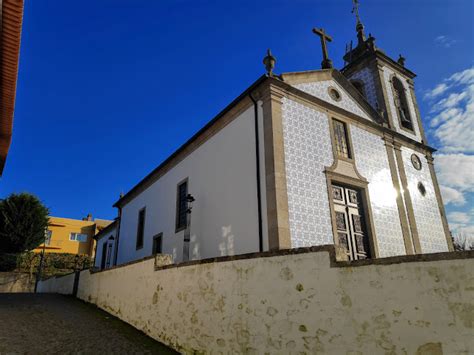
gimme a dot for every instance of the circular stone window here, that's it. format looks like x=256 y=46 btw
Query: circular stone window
x=421 y=188
x=334 y=94
x=416 y=162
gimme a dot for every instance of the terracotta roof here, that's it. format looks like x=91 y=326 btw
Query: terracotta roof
x=10 y=29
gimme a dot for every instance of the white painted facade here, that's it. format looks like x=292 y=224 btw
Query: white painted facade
x=221 y=175
x=106 y=240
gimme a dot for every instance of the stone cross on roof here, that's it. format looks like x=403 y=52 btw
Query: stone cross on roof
x=326 y=63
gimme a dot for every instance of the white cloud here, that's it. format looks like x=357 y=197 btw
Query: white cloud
x=445 y=41
x=451 y=101
x=452 y=124
x=461 y=218
x=452 y=196
x=456 y=171
x=445 y=116
x=452 y=114
x=463 y=77
x=438 y=90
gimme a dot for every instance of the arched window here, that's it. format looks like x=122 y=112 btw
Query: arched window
x=401 y=104
x=359 y=85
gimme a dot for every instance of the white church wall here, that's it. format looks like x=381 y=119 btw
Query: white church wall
x=222 y=178
x=308 y=151
x=372 y=163
x=425 y=208
x=320 y=89
x=387 y=74
x=365 y=75
x=100 y=244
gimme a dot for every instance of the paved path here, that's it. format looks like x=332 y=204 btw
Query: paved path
x=55 y=324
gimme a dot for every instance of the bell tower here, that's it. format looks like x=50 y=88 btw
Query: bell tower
x=386 y=84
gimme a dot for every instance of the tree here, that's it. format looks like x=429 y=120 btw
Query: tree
x=23 y=222
x=463 y=241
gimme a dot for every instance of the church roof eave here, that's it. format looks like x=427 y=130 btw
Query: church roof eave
x=153 y=176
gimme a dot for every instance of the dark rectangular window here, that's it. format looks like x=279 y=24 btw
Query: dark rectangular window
x=140 y=228
x=340 y=136
x=104 y=256
x=181 y=206
x=158 y=244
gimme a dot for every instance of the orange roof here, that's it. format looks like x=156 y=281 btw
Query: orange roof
x=10 y=33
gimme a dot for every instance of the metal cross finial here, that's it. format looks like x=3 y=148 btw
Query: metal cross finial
x=359 y=25
x=355 y=9
x=326 y=63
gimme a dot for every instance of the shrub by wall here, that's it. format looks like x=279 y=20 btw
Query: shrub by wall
x=53 y=263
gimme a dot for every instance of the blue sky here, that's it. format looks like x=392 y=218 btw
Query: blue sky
x=108 y=89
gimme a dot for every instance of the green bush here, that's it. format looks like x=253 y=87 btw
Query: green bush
x=53 y=263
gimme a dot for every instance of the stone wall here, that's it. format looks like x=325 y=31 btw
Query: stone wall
x=16 y=282
x=296 y=301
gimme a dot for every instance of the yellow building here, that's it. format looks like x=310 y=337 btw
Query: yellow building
x=66 y=235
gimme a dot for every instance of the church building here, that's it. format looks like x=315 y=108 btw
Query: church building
x=299 y=159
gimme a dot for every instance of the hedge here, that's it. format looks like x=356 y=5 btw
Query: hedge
x=53 y=263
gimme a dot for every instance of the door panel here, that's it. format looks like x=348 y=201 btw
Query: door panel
x=351 y=230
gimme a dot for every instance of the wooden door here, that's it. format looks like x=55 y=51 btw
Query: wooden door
x=351 y=229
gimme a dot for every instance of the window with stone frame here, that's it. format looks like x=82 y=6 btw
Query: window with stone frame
x=401 y=104
x=341 y=139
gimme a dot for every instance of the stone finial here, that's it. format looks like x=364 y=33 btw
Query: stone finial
x=269 y=62
x=401 y=60
x=121 y=194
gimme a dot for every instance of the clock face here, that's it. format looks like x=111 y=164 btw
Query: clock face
x=415 y=160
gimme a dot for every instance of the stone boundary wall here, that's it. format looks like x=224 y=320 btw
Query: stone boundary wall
x=16 y=282
x=58 y=284
x=296 y=301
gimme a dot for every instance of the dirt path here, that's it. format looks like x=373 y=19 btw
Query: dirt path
x=55 y=324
